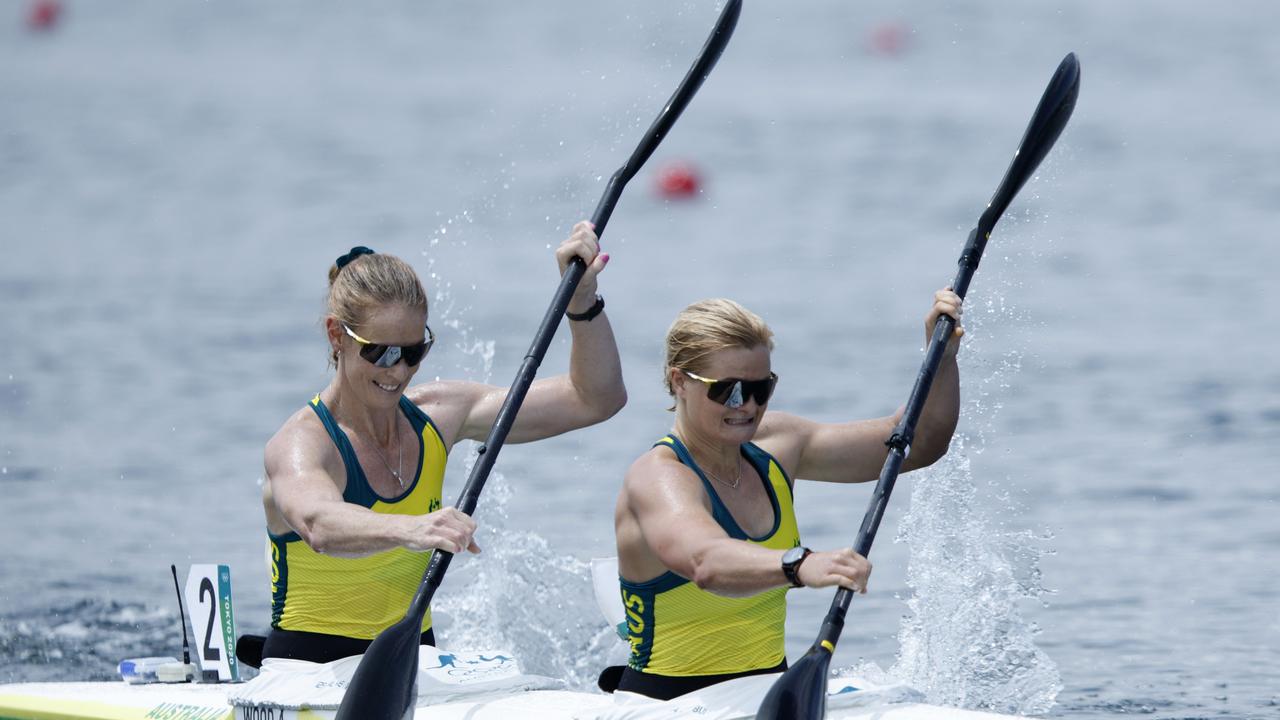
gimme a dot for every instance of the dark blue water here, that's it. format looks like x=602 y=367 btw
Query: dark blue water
x=175 y=179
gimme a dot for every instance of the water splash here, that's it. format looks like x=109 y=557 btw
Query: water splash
x=965 y=641
x=523 y=596
x=519 y=594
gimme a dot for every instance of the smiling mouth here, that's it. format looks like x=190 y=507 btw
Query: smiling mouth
x=388 y=388
x=740 y=421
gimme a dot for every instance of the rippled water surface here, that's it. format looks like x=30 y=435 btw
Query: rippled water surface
x=176 y=177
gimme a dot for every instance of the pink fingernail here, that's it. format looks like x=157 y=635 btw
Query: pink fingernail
x=604 y=257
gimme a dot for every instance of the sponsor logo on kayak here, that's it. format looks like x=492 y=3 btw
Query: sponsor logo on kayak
x=175 y=711
x=326 y=684
x=472 y=668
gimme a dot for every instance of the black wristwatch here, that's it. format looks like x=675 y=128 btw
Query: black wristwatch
x=590 y=312
x=791 y=564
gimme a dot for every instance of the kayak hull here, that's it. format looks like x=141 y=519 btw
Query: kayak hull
x=120 y=701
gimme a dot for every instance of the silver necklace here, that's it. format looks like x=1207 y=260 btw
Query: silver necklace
x=726 y=483
x=399 y=451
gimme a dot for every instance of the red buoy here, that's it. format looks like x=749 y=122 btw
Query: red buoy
x=679 y=180
x=44 y=15
x=889 y=38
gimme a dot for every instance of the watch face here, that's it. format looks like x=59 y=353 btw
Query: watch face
x=793 y=555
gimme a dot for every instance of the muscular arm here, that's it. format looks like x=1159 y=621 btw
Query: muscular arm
x=302 y=491
x=938 y=419
x=666 y=502
x=830 y=452
x=671 y=511
x=592 y=390
x=855 y=451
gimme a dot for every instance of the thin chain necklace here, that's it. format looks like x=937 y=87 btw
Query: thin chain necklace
x=726 y=483
x=399 y=451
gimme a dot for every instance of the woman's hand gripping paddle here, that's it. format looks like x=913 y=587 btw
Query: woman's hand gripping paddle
x=801 y=692
x=383 y=685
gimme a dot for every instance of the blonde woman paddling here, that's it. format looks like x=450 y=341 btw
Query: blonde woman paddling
x=707 y=538
x=353 y=494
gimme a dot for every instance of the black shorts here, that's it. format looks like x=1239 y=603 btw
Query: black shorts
x=300 y=645
x=666 y=687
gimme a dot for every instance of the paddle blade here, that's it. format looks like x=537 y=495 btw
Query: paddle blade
x=801 y=692
x=1051 y=116
x=382 y=687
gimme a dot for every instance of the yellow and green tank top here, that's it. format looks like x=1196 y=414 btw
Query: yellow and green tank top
x=358 y=597
x=676 y=628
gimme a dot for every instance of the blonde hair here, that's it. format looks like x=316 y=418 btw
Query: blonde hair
x=709 y=326
x=371 y=281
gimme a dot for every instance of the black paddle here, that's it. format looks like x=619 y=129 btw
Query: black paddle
x=801 y=692
x=383 y=685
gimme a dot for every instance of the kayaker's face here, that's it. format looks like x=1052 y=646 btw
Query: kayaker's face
x=403 y=328
x=731 y=417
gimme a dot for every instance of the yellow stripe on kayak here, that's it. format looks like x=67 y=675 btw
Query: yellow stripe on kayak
x=19 y=707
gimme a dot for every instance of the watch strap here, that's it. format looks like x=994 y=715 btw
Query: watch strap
x=792 y=569
x=589 y=313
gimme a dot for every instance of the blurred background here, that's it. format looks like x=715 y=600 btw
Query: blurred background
x=177 y=177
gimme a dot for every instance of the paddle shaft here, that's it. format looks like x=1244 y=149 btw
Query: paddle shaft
x=801 y=691
x=900 y=441
x=1050 y=117
x=382 y=686
x=488 y=453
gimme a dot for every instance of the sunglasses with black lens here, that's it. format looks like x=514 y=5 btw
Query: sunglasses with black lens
x=385 y=356
x=733 y=392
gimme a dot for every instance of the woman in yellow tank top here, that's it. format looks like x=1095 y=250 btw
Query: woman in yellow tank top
x=353 y=480
x=707 y=538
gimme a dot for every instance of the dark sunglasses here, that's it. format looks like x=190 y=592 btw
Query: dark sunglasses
x=733 y=392
x=385 y=356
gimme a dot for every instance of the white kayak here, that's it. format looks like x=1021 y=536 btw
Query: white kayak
x=451 y=685
x=484 y=685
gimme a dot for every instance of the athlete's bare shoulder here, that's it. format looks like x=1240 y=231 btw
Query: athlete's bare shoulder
x=301 y=444
x=658 y=460
x=448 y=403
x=783 y=436
x=657 y=479
x=302 y=463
